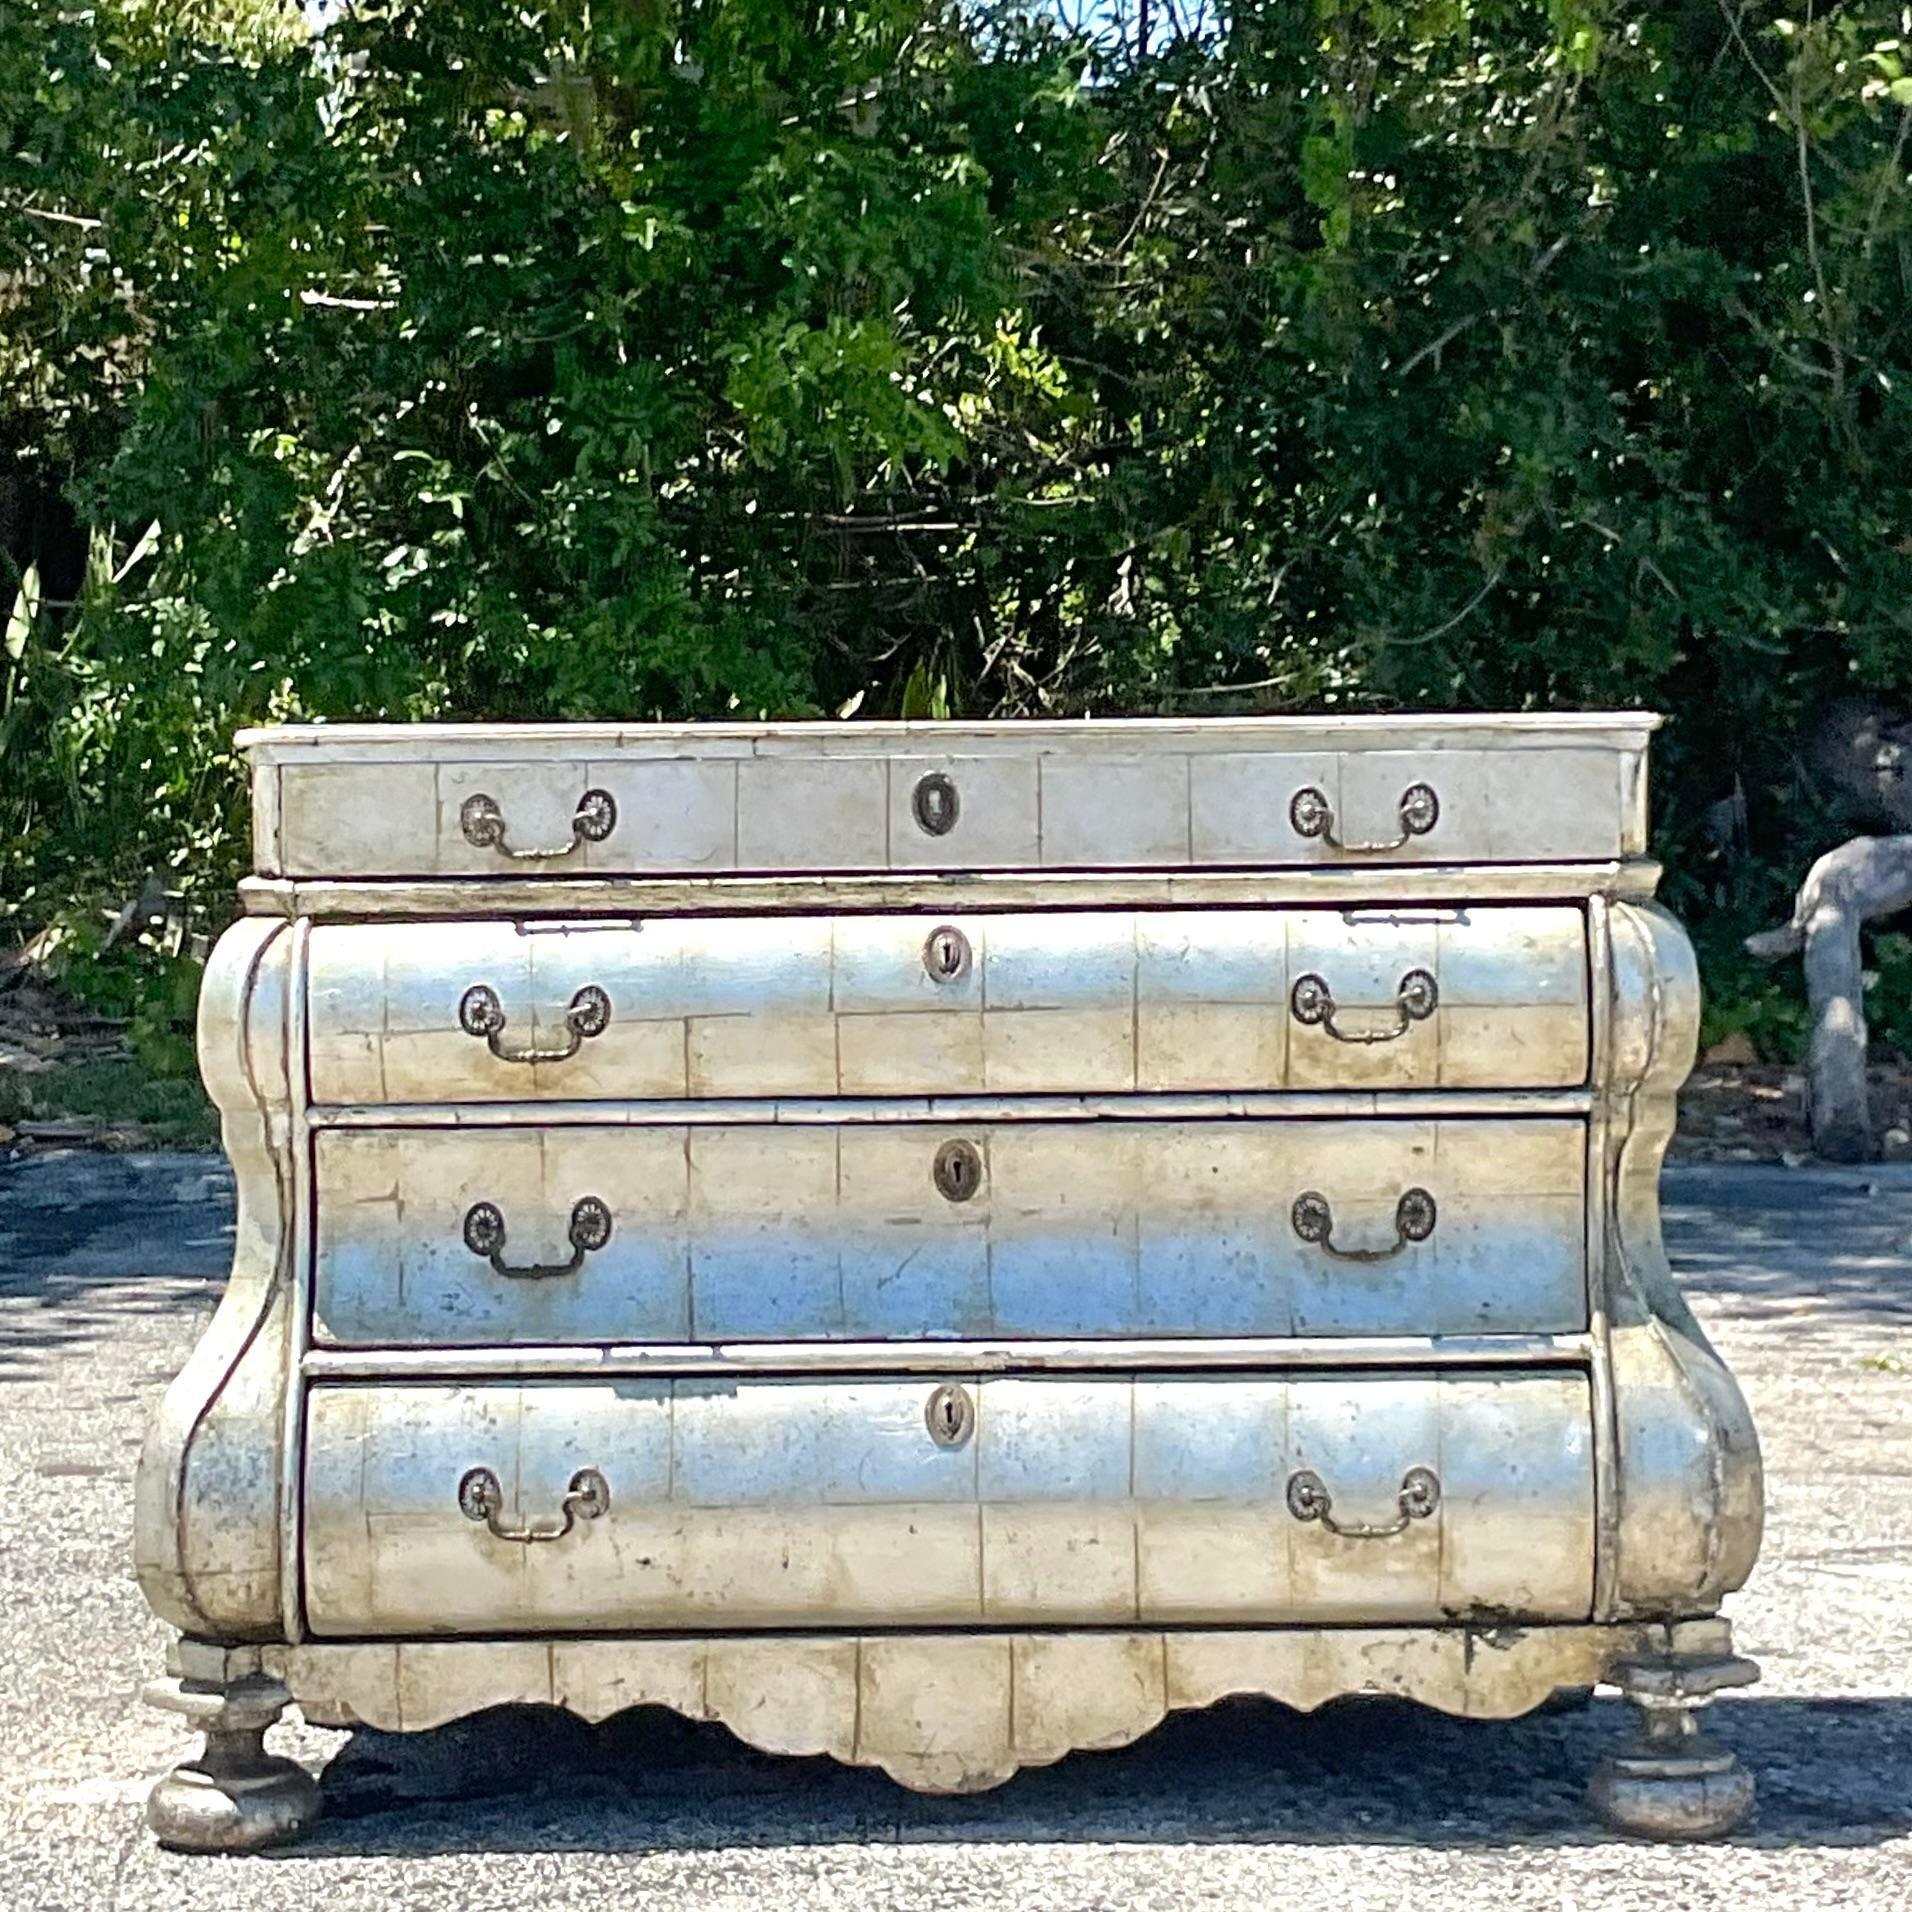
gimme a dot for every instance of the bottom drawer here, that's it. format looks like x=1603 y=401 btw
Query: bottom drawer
x=572 y=1506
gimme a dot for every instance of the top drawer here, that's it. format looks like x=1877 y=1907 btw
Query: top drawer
x=592 y=800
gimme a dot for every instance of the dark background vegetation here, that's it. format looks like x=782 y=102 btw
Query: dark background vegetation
x=702 y=358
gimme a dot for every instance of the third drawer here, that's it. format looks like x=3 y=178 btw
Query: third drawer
x=911 y=1230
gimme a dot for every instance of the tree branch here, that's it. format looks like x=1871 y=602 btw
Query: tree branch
x=1436 y=346
x=62 y=218
x=1447 y=624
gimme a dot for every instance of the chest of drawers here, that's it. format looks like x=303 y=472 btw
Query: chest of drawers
x=939 y=1244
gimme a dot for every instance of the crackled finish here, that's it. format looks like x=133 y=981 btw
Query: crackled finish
x=1089 y=1501
x=782 y=1232
x=1153 y=1229
x=1082 y=1001
x=944 y=1712
x=1692 y=1509
x=370 y=801
x=207 y=1534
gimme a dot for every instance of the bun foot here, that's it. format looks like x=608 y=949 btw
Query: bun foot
x=208 y=1805
x=235 y=1797
x=1671 y=1781
x=1702 y=1794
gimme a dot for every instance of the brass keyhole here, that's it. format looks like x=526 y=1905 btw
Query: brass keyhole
x=957 y=1171
x=935 y=804
x=946 y=954
x=950 y=1415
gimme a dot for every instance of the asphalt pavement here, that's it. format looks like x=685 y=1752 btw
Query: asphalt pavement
x=110 y=1266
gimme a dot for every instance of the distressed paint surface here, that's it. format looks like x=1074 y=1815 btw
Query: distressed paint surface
x=1071 y=1002
x=702 y=799
x=950 y=1712
x=778 y=1232
x=599 y=898
x=1078 y=1500
x=1114 y=1539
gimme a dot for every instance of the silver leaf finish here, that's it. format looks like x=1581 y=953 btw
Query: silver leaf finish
x=941 y=1244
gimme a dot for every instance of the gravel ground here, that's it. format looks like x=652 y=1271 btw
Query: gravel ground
x=110 y=1265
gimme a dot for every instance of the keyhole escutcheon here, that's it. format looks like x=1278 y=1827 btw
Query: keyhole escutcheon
x=957 y=1171
x=946 y=954
x=935 y=804
x=950 y=1415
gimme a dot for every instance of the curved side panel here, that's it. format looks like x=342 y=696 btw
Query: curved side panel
x=1691 y=1499
x=206 y=1523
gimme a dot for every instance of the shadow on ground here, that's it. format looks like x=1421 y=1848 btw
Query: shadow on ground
x=78 y=1230
x=519 y=1779
x=1757 y=1242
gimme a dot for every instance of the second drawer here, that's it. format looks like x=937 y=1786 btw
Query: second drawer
x=1091 y=1002
x=744 y=1232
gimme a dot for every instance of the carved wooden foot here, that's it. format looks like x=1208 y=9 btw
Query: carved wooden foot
x=1671 y=1781
x=235 y=1797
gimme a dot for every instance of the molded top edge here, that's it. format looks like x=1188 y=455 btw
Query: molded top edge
x=1627 y=730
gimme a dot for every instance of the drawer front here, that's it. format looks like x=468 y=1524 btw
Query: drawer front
x=1068 y=1002
x=577 y=1506
x=868 y=1231
x=1077 y=799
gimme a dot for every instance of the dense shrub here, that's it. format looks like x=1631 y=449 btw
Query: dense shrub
x=670 y=359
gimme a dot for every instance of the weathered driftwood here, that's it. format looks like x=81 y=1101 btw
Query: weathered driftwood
x=1850 y=886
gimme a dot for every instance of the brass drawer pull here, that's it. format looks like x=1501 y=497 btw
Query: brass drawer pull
x=1416 y=997
x=483 y=824
x=1414 y=1217
x=485 y=1235
x=481 y=1498
x=481 y=1014
x=1309 y=1499
x=1312 y=815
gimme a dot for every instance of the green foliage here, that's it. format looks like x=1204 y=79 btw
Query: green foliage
x=692 y=357
x=1889 y=993
x=168 y=1110
x=1744 y=998
x=153 y=993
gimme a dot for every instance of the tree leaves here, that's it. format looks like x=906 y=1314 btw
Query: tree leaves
x=669 y=361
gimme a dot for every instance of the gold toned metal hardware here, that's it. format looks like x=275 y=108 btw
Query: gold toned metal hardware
x=1309 y=1499
x=485 y=1235
x=1414 y=1217
x=480 y=1498
x=946 y=954
x=935 y=804
x=1312 y=815
x=480 y=1013
x=483 y=824
x=950 y=1415
x=1416 y=997
x=957 y=1171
